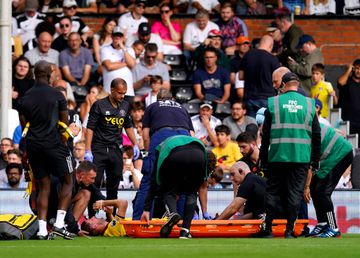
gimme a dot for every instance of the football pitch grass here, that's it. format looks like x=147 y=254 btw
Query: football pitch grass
x=346 y=246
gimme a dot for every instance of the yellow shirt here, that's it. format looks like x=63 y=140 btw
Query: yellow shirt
x=228 y=155
x=115 y=228
x=322 y=91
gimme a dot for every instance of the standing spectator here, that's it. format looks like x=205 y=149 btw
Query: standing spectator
x=129 y=22
x=204 y=125
x=28 y=21
x=5 y=146
x=117 y=62
x=256 y=69
x=147 y=67
x=103 y=37
x=322 y=90
x=277 y=36
x=238 y=120
x=46 y=150
x=243 y=45
x=322 y=7
x=169 y=31
x=196 y=32
x=14 y=173
x=227 y=152
x=162 y=119
x=349 y=96
x=76 y=61
x=292 y=34
x=212 y=83
x=292 y=132
x=61 y=42
x=231 y=28
x=145 y=36
x=204 y=5
x=22 y=79
x=302 y=66
x=214 y=40
x=291 y=5
x=107 y=119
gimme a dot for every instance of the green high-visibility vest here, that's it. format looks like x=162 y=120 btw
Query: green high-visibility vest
x=171 y=143
x=334 y=147
x=291 y=127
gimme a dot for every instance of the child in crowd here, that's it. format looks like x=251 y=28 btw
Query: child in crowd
x=131 y=175
x=156 y=82
x=215 y=178
x=321 y=89
x=228 y=152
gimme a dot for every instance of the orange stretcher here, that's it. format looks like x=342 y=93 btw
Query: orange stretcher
x=209 y=228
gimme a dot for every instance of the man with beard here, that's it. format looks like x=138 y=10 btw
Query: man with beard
x=14 y=174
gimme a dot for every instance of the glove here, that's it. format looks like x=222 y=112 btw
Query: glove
x=314 y=165
x=206 y=216
x=196 y=216
x=136 y=152
x=89 y=156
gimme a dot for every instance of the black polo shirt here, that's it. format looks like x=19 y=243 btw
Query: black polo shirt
x=108 y=122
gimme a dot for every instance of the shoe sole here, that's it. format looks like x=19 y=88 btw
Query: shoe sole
x=167 y=227
x=62 y=235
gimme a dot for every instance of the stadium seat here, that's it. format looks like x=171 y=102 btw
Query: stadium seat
x=173 y=59
x=183 y=94
x=192 y=108
x=178 y=74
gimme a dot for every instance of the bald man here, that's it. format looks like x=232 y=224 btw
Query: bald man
x=256 y=71
x=277 y=81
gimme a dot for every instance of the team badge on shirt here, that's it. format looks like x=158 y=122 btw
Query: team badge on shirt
x=122 y=112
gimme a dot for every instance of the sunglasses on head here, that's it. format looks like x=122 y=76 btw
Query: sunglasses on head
x=140 y=5
x=64 y=26
x=164 y=11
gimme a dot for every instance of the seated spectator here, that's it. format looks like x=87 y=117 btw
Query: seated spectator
x=231 y=28
x=319 y=107
x=117 y=62
x=64 y=84
x=210 y=6
x=78 y=25
x=227 y=152
x=131 y=175
x=155 y=84
x=145 y=36
x=292 y=4
x=215 y=178
x=112 y=228
x=251 y=191
x=61 y=42
x=169 y=31
x=214 y=40
x=136 y=50
x=255 y=7
x=243 y=45
x=149 y=66
x=14 y=173
x=129 y=22
x=13 y=156
x=238 y=120
x=103 y=37
x=204 y=125
x=28 y=21
x=322 y=7
x=5 y=146
x=211 y=83
x=76 y=61
x=79 y=152
x=196 y=32
x=321 y=89
x=22 y=79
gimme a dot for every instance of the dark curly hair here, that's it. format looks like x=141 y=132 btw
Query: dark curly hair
x=211 y=162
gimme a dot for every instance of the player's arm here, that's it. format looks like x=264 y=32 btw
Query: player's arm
x=131 y=134
x=119 y=204
x=232 y=208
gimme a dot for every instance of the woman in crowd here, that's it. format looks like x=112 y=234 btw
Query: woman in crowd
x=22 y=79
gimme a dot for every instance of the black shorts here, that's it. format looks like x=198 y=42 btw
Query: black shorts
x=56 y=161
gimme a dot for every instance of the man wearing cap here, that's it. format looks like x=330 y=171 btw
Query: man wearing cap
x=310 y=55
x=78 y=25
x=204 y=125
x=242 y=47
x=290 y=143
x=256 y=70
x=46 y=149
x=231 y=28
x=275 y=33
x=117 y=62
x=277 y=80
x=129 y=22
x=145 y=36
x=28 y=21
x=214 y=40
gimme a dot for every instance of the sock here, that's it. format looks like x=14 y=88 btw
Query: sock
x=322 y=223
x=42 y=228
x=60 y=217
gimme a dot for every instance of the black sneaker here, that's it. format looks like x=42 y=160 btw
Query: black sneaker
x=167 y=227
x=63 y=233
x=185 y=234
x=263 y=234
x=289 y=234
x=47 y=237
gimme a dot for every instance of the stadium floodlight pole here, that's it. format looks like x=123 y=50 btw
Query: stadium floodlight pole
x=5 y=66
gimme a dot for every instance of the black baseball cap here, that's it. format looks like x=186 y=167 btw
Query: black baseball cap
x=144 y=28
x=290 y=77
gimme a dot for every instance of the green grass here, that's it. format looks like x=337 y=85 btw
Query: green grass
x=347 y=246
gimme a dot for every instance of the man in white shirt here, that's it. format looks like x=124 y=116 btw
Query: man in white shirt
x=117 y=62
x=129 y=22
x=204 y=125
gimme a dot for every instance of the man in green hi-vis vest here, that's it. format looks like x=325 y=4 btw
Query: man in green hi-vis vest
x=182 y=165
x=291 y=142
x=335 y=157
